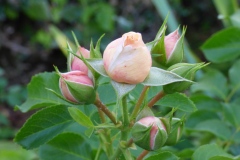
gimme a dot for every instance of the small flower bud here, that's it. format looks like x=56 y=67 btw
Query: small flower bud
x=127 y=59
x=169 y=43
x=149 y=133
x=184 y=70
x=77 y=64
x=169 y=48
x=176 y=131
x=77 y=87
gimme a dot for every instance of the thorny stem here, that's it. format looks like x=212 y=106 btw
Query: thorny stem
x=124 y=131
x=142 y=155
x=105 y=110
x=156 y=98
x=139 y=102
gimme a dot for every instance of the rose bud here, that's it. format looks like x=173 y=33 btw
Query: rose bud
x=184 y=70
x=170 y=41
x=77 y=87
x=127 y=59
x=149 y=133
x=176 y=131
x=170 y=49
x=77 y=64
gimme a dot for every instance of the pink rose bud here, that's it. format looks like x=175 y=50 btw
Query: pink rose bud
x=77 y=64
x=127 y=59
x=170 y=41
x=77 y=87
x=149 y=133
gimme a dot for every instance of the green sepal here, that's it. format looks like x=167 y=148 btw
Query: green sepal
x=145 y=112
x=97 y=65
x=95 y=52
x=91 y=73
x=159 y=34
x=178 y=52
x=82 y=93
x=166 y=122
x=69 y=57
x=141 y=136
x=185 y=70
x=159 y=48
x=175 y=134
x=160 y=77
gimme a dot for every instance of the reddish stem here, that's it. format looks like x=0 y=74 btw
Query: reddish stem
x=156 y=98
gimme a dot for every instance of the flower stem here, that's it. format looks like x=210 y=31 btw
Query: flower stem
x=124 y=133
x=105 y=110
x=125 y=112
x=139 y=102
x=142 y=155
x=101 y=115
x=156 y=98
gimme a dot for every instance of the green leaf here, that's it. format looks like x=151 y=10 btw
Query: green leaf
x=122 y=88
x=105 y=98
x=66 y=146
x=97 y=65
x=39 y=96
x=234 y=75
x=89 y=132
x=206 y=103
x=179 y=101
x=216 y=127
x=105 y=16
x=207 y=151
x=223 y=46
x=12 y=151
x=159 y=77
x=214 y=83
x=80 y=117
x=42 y=8
x=186 y=153
x=232 y=114
x=199 y=116
x=163 y=155
x=43 y=125
x=220 y=158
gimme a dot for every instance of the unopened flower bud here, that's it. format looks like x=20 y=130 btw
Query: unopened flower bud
x=176 y=131
x=149 y=133
x=77 y=64
x=170 y=41
x=77 y=87
x=127 y=59
x=169 y=48
x=185 y=70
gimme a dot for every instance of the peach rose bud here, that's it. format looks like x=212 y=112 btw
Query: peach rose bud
x=77 y=87
x=77 y=64
x=127 y=59
x=149 y=133
x=170 y=41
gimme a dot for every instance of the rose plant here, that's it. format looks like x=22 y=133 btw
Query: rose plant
x=107 y=107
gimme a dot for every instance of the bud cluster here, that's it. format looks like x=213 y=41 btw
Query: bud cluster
x=76 y=85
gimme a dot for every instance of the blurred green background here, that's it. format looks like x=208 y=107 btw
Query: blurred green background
x=33 y=36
